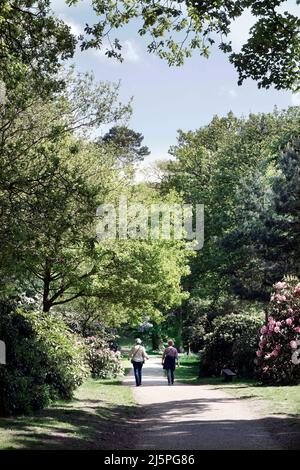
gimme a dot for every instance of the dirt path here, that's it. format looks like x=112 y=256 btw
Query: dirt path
x=184 y=417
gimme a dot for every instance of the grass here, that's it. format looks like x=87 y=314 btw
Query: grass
x=276 y=400
x=91 y=421
x=188 y=370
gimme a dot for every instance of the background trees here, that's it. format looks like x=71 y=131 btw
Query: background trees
x=246 y=173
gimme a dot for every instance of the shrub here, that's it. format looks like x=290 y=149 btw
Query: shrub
x=279 y=343
x=45 y=361
x=194 y=334
x=232 y=343
x=103 y=362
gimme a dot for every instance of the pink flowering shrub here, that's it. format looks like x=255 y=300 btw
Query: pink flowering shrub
x=278 y=340
x=104 y=363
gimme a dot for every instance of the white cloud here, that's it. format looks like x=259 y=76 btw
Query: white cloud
x=76 y=28
x=239 y=32
x=148 y=172
x=129 y=52
x=228 y=92
x=295 y=98
x=232 y=93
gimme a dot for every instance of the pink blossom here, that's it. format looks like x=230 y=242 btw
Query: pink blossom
x=277 y=329
x=273 y=297
x=297 y=329
x=263 y=330
x=278 y=323
x=275 y=353
x=280 y=298
x=271 y=320
x=293 y=344
x=262 y=343
x=297 y=289
x=258 y=353
x=289 y=321
x=280 y=285
x=290 y=311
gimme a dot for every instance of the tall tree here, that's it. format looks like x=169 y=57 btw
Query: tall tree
x=33 y=45
x=127 y=143
x=266 y=244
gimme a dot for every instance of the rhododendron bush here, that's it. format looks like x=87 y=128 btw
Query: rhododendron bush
x=103 y=362
x=279 y=346
x=232 y=343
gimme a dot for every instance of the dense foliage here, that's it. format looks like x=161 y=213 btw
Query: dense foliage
x=232 y=344
x=45 y=361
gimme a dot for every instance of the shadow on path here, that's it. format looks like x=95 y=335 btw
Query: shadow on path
x=203 y=417
x=76 y=428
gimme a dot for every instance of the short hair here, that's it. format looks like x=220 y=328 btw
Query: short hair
x=170 y=342
x=138 y=341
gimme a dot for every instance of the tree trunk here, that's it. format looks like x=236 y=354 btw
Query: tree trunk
x=46 y=290
x=155 y=338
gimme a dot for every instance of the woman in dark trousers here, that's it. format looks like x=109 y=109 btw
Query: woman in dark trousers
x=169 y=361
x=138 y=356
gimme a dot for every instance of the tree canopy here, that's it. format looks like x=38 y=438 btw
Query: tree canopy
x=271 y=55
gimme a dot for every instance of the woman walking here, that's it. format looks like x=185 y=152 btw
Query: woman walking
x=169 y=361
x=138 y=356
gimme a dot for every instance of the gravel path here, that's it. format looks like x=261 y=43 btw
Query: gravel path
x=185 y=417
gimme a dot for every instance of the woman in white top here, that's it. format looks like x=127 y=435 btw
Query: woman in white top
x=138 y=356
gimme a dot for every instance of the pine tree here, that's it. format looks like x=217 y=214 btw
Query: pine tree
x=280 y=240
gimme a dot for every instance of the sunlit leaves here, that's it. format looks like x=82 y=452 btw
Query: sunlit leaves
x=173 y=30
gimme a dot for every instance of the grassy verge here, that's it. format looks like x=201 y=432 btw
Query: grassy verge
x=276 y=400
x=90 y=421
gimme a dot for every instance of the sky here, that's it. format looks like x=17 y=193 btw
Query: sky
x=165 y=98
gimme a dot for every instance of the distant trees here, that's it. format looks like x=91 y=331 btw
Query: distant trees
x=127 y=143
